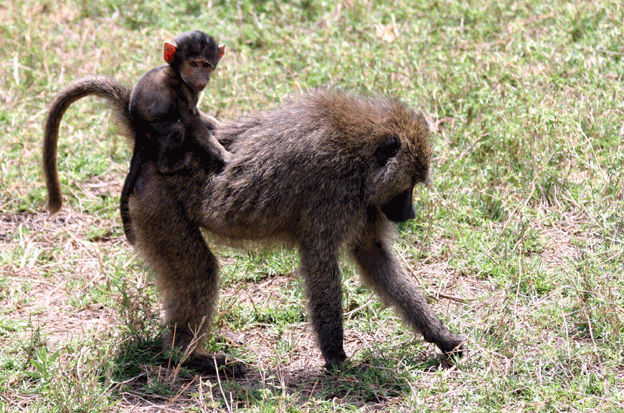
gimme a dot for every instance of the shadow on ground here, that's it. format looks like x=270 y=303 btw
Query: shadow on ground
x=145 y=377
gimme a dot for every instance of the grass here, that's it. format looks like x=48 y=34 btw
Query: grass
x=519 y=244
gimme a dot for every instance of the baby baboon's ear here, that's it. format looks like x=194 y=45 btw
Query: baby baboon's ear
x=387 y=149
x=169 y=52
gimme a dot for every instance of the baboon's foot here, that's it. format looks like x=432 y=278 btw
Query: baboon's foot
x=213 y=364
x=452 y=344
x=336 y=363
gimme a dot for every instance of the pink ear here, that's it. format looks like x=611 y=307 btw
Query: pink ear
x=221 y=51
x=169 y=52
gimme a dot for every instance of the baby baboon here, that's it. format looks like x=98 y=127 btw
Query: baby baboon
x=163 y=113
x=323 y=171
x=163 y=103
x=158 y=115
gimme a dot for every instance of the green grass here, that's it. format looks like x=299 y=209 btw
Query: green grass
x=519 y=244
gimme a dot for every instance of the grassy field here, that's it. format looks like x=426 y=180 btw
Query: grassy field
x=519 y=245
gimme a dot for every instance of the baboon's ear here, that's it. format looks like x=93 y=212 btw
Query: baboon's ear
x=221 y=51
x=387 y=149
x=169 y=52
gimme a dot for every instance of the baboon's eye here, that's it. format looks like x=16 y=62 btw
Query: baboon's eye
x=193 y=64
x=387 y=149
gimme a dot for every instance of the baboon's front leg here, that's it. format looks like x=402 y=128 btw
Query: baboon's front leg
x=381 y=270
x=321 y=273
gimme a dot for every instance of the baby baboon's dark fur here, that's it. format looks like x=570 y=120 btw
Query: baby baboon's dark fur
x=323 y=171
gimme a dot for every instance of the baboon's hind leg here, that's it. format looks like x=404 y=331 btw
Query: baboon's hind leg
x=186 y=269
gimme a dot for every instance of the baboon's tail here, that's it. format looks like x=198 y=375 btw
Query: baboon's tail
x=118 y=97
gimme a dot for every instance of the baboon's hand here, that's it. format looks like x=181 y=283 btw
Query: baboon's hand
x=454 y=344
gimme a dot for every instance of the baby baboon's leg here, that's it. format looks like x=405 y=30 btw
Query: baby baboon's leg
x=171 y=152
x=187 y=271
x=381 y=270
x=323 y=285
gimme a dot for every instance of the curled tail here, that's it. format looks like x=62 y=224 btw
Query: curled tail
x=118 y=97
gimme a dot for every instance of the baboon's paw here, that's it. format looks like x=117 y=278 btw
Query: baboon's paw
x=337 y=364
x=453 y=345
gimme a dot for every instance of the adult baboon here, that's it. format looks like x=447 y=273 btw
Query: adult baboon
x=325 y=170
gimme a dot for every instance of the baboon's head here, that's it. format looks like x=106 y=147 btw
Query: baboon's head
x=382 y=140
x=401 y=157
x=194 y=55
